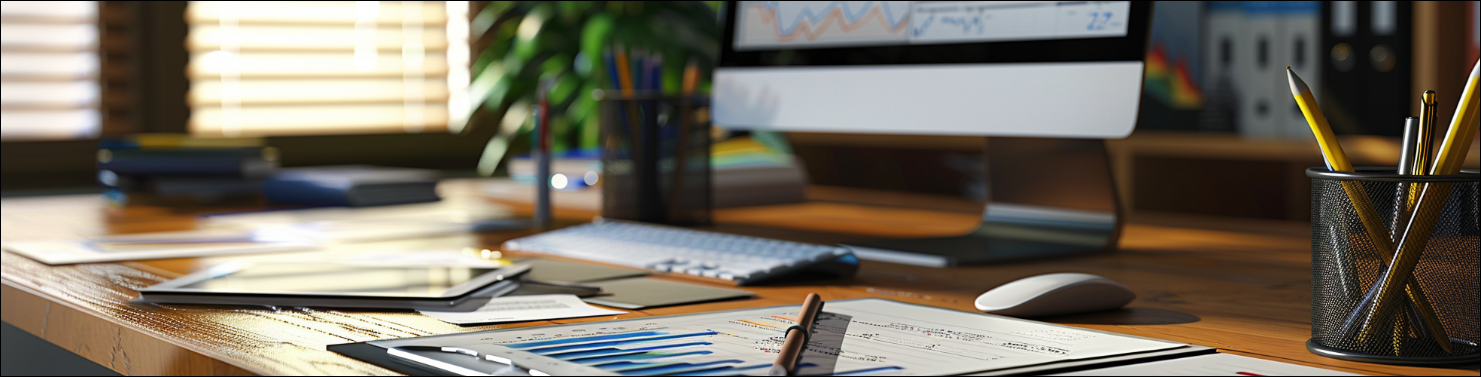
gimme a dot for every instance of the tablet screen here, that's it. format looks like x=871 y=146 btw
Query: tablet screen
x=339 y=280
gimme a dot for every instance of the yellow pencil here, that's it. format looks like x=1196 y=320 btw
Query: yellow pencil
x=691 y=79
x=624 y=71
x=1462 y=129
x=1331 y=150
x=1337 y=161
x=1431 y=202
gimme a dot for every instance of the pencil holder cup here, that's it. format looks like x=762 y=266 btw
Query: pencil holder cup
x=1432 y=316
x=655 y=158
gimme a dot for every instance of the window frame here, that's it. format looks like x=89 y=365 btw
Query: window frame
x=148 y=94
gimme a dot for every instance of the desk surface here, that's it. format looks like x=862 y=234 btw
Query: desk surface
x=1237 y=285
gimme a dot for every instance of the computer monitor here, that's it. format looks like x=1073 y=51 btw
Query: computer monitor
x=1057 y=77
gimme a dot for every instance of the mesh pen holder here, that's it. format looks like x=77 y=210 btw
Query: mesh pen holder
x=1346 y=265
x=655 y=158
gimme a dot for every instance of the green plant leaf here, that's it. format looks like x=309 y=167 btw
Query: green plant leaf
x=527 y=41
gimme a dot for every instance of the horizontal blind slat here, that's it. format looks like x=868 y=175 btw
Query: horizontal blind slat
x=300 y=68
x=48 y=70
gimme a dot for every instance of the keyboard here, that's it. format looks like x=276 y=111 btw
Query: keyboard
x=739 y=259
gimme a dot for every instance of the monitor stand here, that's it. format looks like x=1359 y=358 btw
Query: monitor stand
x=1047 y=198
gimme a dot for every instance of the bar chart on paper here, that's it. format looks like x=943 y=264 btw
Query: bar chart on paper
x=851 y=338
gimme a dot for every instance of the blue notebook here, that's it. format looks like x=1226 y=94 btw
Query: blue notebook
x=236 y=162
x=352 y=186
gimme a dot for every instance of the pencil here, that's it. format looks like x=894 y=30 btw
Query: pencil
x=624 y=71
x=1431 y=202
x=691 y=79
x=1462 y=130
x=630 y=114
x=1337 y=160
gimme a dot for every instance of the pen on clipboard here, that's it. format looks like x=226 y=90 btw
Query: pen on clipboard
x=797 y=337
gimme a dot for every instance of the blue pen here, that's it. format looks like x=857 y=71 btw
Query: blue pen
x=612 y=70
x=640 y=70
x=655 y=74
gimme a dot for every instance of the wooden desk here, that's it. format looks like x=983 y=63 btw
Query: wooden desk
x=1240 y=286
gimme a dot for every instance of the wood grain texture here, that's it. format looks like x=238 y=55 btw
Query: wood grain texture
x=1241 y=286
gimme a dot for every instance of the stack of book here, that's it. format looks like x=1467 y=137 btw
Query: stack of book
x=745 y=172
x=352 y=186
x=178 y=168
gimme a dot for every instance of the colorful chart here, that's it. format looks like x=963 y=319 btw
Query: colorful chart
x=822 y=23
x=851 y=338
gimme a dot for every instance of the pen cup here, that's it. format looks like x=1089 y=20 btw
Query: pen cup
x=655 y=158
x=1346 y=266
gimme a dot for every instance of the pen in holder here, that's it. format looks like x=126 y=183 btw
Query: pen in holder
x=1441 y=300
x=655 y=158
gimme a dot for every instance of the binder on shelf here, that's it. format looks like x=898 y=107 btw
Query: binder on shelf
x=1366 y=49
x=1261 y=62
x=1298 y=47
x=1223 y=38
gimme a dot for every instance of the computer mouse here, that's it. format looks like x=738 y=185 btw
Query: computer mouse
x=1055 y=294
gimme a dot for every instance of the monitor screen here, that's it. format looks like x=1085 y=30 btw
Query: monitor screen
x=1070 y=69
x=785 y=25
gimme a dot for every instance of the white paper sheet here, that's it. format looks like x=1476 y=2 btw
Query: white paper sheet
x=351 y=225
x=1221 y=364
x=52 y=218
x=205 y=243
x=523 y=309
x=853 y=337
x=433 y=258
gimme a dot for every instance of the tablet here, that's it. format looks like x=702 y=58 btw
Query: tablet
x=336 y=285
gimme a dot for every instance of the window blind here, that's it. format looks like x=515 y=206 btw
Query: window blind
x=302 y=68
x=49 y=70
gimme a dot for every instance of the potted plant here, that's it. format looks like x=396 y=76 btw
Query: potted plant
x=523 y=43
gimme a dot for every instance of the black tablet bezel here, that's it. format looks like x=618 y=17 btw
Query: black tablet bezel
x=175 y=286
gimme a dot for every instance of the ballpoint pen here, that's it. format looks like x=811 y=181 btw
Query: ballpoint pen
x=1412 y=161
x=1407 y=193
x=797 y=336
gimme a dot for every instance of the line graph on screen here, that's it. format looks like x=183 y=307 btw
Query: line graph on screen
x=778 y=23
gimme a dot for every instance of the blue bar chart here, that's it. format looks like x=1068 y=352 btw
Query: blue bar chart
x=850 y=338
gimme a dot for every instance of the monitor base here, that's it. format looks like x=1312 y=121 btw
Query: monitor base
x=963 y=250
x=1047 y=198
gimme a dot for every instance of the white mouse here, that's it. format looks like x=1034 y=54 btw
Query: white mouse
x=1055 y=294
